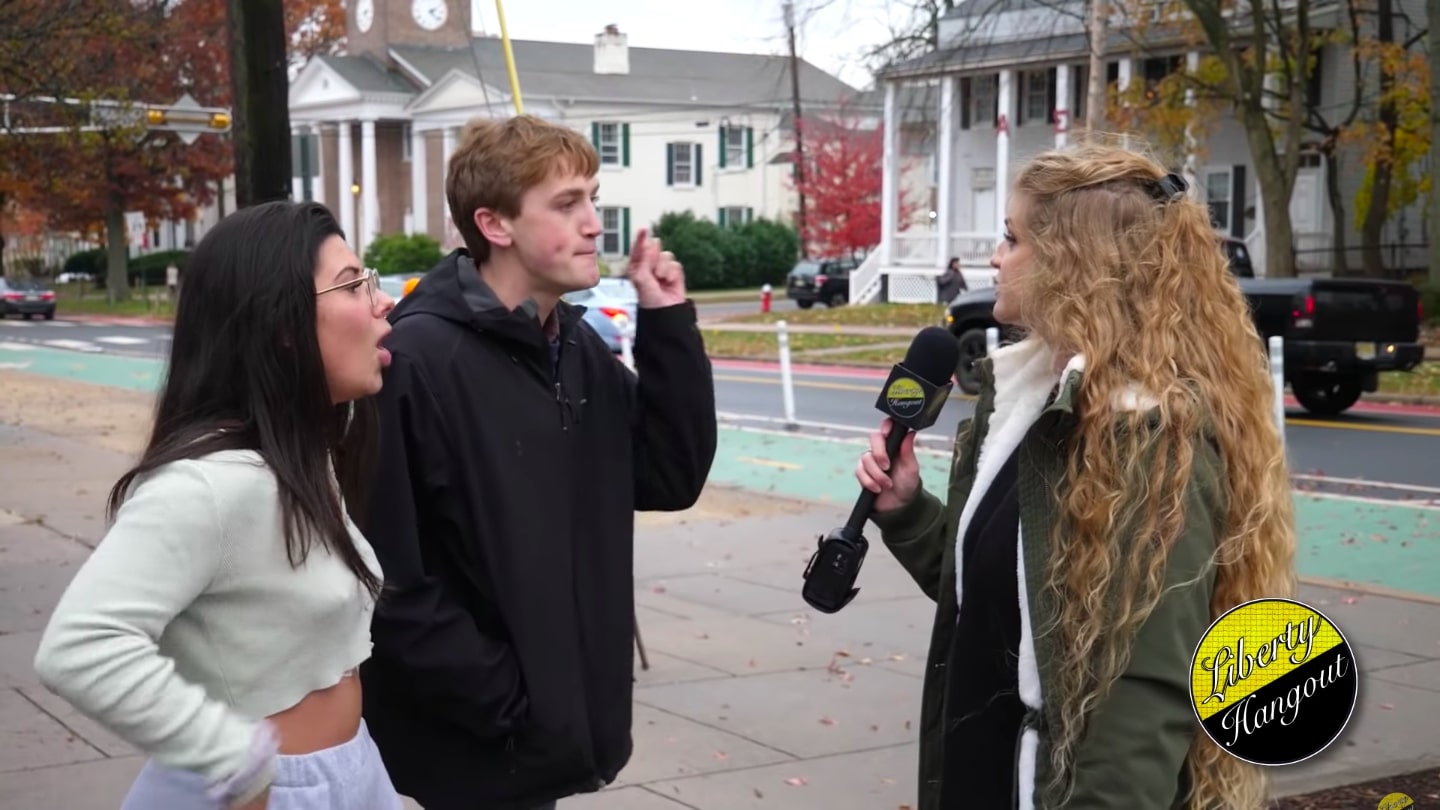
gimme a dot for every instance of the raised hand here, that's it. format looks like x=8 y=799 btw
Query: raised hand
x=658 y=278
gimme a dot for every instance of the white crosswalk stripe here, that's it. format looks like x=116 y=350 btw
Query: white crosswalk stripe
x=74 y=345
x=122 y=340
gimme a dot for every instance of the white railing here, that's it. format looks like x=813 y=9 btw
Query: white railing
x=917 y=248
x=973 y=249
x=865 y=279
x=907 y=286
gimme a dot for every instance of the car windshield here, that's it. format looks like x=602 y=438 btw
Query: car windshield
x=617 y=288
x=806 y=269
x=24 y=284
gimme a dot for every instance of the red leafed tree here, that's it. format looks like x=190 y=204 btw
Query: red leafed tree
x=86 y=177
x=842 y=182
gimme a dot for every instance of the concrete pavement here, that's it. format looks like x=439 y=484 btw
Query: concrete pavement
x=752 y=700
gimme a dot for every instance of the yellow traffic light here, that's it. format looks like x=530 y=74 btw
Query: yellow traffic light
x=154 y=117
x=220 y=120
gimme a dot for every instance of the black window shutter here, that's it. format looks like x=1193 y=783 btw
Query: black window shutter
x=595 y=135
x=1050 y=93
x=624 y=144
x=1020 y=77
x=995 y=113
x=749 y=147
x=696 y=163
x=669 y=164
x=965 y=102
x=722 y=146
x=1237 y=202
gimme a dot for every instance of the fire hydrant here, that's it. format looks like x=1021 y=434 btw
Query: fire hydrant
x=765 y=298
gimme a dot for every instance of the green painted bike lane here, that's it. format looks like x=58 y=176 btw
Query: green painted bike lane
x=1392 y=546
x=1387 y=545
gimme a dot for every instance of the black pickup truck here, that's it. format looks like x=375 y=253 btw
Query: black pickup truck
x=1339 y=333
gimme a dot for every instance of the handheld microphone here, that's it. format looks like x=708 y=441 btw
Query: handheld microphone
x=913 y=396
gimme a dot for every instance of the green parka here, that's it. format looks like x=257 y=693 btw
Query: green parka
x=1133 y=751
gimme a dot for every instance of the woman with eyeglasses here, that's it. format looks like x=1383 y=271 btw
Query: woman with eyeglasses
x=219 y=624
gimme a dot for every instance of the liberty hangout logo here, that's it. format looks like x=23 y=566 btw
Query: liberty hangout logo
x=1273 y=682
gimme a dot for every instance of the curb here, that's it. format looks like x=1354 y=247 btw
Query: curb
x=120 y=320
x=1421 y=400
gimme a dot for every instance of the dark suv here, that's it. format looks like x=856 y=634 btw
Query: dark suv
x=823 y=280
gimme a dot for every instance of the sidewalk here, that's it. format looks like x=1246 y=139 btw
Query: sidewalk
x=752 y=699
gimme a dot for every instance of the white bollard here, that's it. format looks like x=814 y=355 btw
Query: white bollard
x=992 y=340
x=627 y=340
x=1277 y=378
x=787 y=383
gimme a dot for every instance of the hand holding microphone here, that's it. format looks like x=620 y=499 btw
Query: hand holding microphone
x=911 y=400
x=896 y=481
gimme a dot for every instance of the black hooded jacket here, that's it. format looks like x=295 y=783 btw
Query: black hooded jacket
x=503 y=516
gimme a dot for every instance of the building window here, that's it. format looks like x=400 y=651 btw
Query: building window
x=1219 y=198
x=609 y=146
x=983 y=98
x=1036 y=100
x=610 y=143
x=737 y=147
x=682 y=164
x=614 y=232
x=736 y=215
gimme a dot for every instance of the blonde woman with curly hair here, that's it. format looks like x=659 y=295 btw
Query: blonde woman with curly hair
x=1120 y=486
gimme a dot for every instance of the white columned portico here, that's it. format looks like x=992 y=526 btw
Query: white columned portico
x=1123 y=83
x=1063 y=74
x=419 y=211
x=317 y=131
x=1006 y=100
x=297 y=163
x=347 y=180
x=1192 y=161
x=945 y=206
x=448 y=138
x=888 y=181
x=369 y=193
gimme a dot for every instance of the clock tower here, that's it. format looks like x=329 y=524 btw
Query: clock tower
x=372 y=26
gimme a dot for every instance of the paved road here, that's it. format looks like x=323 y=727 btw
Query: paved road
x=1361 y=448
x=126 y=339
x=717 y=310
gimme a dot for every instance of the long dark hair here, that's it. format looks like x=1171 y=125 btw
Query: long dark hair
x=245 y=373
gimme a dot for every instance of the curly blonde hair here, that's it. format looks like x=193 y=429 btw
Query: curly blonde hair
x=1136 y=281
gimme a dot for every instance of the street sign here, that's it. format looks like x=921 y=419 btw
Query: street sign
x=187 y=118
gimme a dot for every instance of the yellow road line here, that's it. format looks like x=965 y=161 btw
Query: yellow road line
x=766 y=462
x=871 y=388
x=1413 y=431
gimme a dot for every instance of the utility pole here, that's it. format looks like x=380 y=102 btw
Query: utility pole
x=1432 y=12
x=261 y=89
x=799 y=171
x=1095 y=91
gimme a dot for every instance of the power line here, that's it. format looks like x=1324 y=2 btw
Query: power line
x=799 y=164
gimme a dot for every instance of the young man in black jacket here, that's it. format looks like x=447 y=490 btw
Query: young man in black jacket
x=514 y=451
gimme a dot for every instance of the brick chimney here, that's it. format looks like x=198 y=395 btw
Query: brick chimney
x=612 y=51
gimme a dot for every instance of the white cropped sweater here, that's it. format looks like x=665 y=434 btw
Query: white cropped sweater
x=188 y=626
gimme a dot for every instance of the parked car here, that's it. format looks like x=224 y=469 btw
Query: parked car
x=26 y=298
x=398 y=286
x=1339 y=333
x=823 y=280
x=609 y=307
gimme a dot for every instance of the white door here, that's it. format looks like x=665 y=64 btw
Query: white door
x=982 y=211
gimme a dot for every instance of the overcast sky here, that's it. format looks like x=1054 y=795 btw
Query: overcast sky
x=831 y=33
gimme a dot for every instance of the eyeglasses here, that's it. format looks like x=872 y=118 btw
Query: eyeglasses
x=368 y=277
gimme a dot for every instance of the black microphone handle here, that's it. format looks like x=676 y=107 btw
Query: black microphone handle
x=866 y=502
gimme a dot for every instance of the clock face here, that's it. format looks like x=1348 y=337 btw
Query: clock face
x=429 y=14
x=364 y=14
